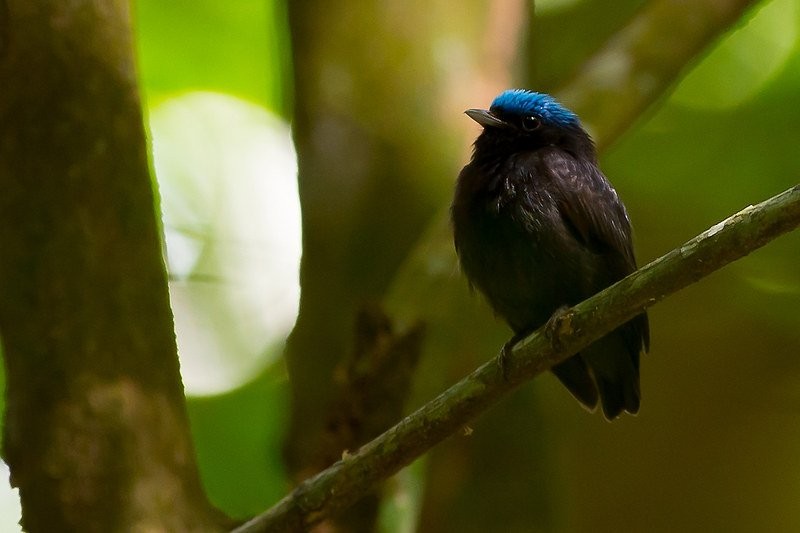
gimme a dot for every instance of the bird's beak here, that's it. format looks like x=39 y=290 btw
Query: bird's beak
x=485 y=118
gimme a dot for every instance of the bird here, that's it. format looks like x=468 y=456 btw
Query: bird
x=538 y=227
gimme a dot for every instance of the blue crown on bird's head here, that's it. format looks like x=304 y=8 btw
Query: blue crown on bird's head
x=524 y=102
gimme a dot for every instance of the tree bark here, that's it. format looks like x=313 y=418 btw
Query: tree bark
x=96 y=433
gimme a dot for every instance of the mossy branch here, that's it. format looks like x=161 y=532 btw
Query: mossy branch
x=344 y=482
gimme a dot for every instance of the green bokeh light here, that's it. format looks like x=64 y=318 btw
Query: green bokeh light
x=745 y=61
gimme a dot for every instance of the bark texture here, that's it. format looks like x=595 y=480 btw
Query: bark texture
x=96 y=434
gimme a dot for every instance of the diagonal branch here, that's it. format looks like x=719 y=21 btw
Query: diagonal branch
x=348 y=479
x=639 y=64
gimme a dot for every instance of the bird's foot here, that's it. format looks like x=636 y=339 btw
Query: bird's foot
x=502 y=358
x=505 y=354
x=557 y=325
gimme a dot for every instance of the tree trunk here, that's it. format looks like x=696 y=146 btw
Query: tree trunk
x=96 y=434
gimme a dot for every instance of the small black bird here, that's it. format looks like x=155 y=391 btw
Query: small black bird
x=538 y=226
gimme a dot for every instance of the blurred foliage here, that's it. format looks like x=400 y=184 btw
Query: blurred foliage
x=715 y=445
x=238 y=437
x=239 y=48
x=586 y=25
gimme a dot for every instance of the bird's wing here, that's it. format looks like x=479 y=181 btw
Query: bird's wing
x=597 y=218
x=590 y=206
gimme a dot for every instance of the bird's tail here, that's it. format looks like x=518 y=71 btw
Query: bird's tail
x=615 y=366
x=606 y=372
x=577 y=378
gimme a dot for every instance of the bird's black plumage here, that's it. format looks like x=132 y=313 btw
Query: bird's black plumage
x=537 y=226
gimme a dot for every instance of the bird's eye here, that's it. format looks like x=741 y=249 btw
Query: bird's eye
x=531 y=123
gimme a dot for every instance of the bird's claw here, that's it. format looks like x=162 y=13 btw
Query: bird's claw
x=502 y=357
x=505 y=353
x=557 y=325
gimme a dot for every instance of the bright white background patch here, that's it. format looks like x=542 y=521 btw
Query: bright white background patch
x=227 y=174
x=10 y=507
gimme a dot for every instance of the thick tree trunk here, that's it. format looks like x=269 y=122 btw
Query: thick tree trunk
x=96 y=432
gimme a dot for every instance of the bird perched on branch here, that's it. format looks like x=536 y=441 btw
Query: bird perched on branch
x=538 y=227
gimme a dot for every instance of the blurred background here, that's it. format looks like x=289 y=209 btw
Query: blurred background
x=353 y=110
